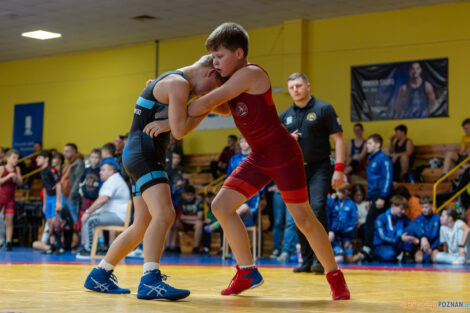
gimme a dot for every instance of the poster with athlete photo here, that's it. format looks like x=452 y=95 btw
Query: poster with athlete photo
x=403 y=90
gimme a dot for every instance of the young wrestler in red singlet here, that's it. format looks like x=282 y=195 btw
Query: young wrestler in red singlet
x=275 y=156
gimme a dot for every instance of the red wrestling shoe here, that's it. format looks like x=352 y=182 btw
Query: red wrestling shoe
x=338 y=285
x=244 y=279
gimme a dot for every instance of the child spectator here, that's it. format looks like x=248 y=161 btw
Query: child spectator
x=57 y=163
x=192 y=215
x=222 y=163
x=358 y=196
x=454 y=238
x=391 y=237
x=175 y=178
x=174 y=147
x=89 y=184
x=49 y=183
x=428 y=225
x=247 y=210
x=10 y=177
x=414 y=209
x=342 y=219
x=107 y=155
x=209 y=220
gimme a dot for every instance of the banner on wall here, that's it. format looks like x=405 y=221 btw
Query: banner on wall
x=27 y=126
x=403 y=90
x=215 y=121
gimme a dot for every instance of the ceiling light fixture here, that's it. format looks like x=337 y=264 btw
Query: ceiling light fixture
x=41 y=34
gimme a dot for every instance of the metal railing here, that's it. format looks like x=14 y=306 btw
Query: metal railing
x=443 y=178
x=214 y=185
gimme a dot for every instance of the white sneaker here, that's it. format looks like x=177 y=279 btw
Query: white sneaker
x=137 y=253
x=275 y=254
x=283 y=257
x=459 y=261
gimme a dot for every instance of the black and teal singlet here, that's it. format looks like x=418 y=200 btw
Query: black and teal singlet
x=144 y=157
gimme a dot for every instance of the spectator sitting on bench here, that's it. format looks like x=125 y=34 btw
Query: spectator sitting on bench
x=222 y=163
x=391 y=237
x=414 y=208
x=464 y=152
x=356 y=153
x=402 y=153
x=454 y=238
x=109 y=208
x=192 y=216
x=427 y=230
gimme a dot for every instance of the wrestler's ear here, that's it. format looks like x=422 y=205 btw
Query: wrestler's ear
x=212 y=71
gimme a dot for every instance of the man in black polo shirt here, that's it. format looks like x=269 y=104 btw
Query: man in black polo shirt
x=312 y=121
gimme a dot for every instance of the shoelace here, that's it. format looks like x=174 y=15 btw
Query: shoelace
x=113 y=278
x=338 y=281
x=232 y=282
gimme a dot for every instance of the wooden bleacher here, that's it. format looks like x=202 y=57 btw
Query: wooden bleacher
x=424 y=189
x=199 y=160
x=428 y=152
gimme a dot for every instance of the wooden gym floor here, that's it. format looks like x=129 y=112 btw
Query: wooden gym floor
x=59 y=288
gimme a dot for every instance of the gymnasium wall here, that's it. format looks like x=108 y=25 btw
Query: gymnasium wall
x=89 y=96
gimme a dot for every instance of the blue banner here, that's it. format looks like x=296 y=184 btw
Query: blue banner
x=27 y=126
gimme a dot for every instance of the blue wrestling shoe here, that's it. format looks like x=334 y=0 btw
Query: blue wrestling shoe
x=104 y=281
x=152 y=287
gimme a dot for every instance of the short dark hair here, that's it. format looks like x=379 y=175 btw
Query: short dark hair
x=210 y=194
x=112 y=166
x=46 y=154
x=96 y=151
x=358 y=187
x=398 y=200
x=298 y=75
x=72 y=145
x=425 y=200
x=452 y=213
x=38 y=142
x=189 y=189
x=465 y=122
x=402 y=191
x=230 y=36
x=110 y=147
x=402 y=128
x=58 y=155
x=376 y=138
x=359 y=125
x=234 y=137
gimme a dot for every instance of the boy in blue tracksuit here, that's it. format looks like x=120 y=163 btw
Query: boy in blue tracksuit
x=342 y=221
x=391 y=232
x=426 y=228
x=247 y=210
x=379 y=187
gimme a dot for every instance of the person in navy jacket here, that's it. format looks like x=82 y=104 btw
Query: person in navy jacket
x=391 y=232
x=426 y=228
x=342 y=221
x=379 y=187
